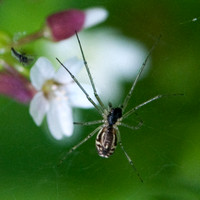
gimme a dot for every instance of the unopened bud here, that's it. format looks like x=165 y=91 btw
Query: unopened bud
x=64 y=24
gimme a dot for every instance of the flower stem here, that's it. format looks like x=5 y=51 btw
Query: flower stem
x=30 y=38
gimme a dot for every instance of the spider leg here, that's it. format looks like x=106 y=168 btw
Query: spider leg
x=127 y=156
x=89 y=123
x=147 y=102
x=140 y=123
x=90 y=76
x=132 y=127
x=81 y=87
x=126 y=100
x=79 y=144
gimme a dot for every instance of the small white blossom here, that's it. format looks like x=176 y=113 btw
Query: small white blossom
x=56 y=94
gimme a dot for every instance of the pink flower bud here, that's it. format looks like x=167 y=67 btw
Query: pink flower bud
x=14 y=85
x=63 y=25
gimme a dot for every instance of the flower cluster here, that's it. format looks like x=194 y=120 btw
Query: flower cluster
x=53 y=93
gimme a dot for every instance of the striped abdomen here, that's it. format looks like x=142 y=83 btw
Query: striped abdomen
x=106 y=141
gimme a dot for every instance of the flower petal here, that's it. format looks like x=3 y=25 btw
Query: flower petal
x=59 y=118
x=77 y=98
x=74 y=65
x=38 y=108
x=41 y=71
x=94 y=16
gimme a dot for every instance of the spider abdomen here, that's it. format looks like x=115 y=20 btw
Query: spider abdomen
x=106 y=141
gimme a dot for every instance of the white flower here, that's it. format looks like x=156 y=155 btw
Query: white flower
x=111 y=58
x=56 y=94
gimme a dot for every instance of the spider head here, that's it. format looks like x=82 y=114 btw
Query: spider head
x=114 y=115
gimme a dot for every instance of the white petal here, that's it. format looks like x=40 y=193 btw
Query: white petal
x=77 y=98
x=41 y=71
x=38 y=108
x=74 y=65
x=95 y=16
x=59 y=119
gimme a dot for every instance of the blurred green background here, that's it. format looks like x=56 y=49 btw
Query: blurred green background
x=165 y=150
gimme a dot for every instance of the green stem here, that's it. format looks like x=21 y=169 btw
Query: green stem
x=32 y=37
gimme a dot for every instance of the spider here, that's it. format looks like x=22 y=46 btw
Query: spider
x=108 y=132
